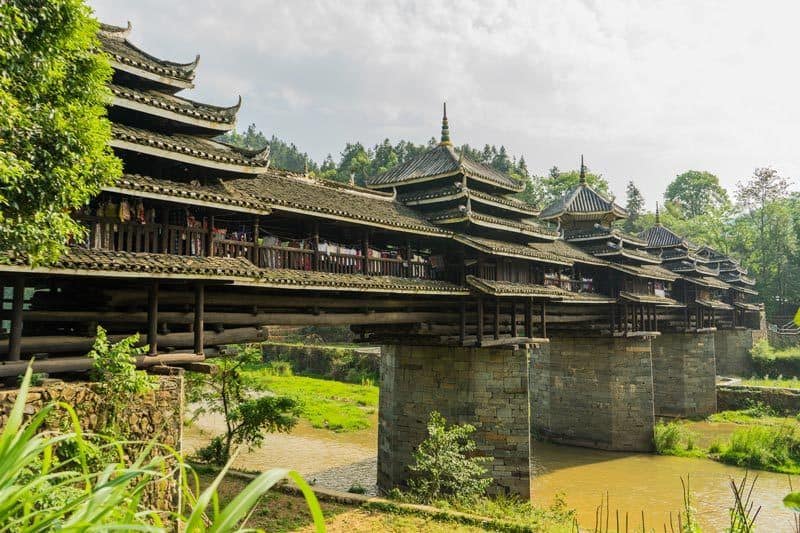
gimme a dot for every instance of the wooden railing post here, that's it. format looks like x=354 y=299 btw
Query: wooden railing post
x=316 y=246
x=199 y=322
x=365 y=252
x=17 y=303
x=152 y=318
x=254 y=251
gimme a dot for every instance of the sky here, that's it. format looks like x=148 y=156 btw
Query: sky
x=644 y=89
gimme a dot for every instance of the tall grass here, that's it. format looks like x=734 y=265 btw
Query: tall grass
x=774 y=448
x=672 y=438
x=40 y=492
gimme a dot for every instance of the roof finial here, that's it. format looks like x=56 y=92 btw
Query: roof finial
x=583 y=172
x=445 y=128
x=658 y=217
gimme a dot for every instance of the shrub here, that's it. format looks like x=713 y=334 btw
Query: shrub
x=280 y=368
x=764 y=447
x=444 y=466
x=355 y=488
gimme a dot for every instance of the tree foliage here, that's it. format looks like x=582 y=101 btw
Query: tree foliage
x=247 y=414
x=558 y=182
x=695 y=192
x=444 y=466
x=634 y=205
x=54 y=153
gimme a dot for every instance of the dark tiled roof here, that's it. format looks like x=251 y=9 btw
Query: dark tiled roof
x=582 y=200
x=117 y=46
x=708 y=282
x=660 y=237
x=456 y=215
x=564 y=249
x=672 y=254
x=645 y=271
x=192 y=146
x=507 y=288
x=149 y=264
x=218 y=193
x=510 y=249
x=736 y=277
x=662 y=301
x=454 y=190
x=714 y=304
x=600 y=232
x=303 y=279
x=284 y=190
x=747 y=307
x=511 y=203
x=182 y=106
x=442 y=161
x=631 y=253
x=686 y=267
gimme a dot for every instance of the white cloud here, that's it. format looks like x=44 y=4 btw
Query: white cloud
x=644 y=89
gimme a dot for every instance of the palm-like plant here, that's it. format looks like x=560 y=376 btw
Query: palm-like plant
x=38 y=492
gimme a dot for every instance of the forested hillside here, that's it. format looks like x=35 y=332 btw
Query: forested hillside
x=758 y=222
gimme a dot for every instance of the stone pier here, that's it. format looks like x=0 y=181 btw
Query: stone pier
x=595 y=392
x=485 y=387
x=733 y=351
x=684 y=374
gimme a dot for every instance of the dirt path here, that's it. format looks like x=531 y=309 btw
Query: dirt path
x=334 y=460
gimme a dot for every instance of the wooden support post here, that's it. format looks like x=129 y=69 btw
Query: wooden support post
x=513 y=319
x=625 y=320
x=613 y=318
x=17 y=303
x=199 y=312
x=165 y=231
x=365 y=253
x=543 y=318
x=463 y=330
x=529 y=318
x=152 y=318
x=655 y=317
x=410 y=268
x=316 y=246
x=479 y=330
x=256 y=230
x=496 y=328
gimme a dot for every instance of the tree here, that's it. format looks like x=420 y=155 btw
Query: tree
x=696 y=192
x=444 y=465
x=557 y=183
x=247 y=416
x=54 y=152
x=634 y=206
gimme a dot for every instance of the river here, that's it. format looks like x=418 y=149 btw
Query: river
x=634 y=482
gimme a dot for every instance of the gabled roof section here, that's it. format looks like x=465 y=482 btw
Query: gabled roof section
x=217 y=195
x=605 y=250
x=190 y=149
x=285 y=191
x=128 y=58
x=713 y=304
x=708 y=282
x=531 y=290
x=645 y=271
x=461 y=214
x=563 y=249
x=659 y=301
x=583 y=202
x=440 y=162
x=600 y=232
x=659 y=236
x=508 y=249
x=218 y=119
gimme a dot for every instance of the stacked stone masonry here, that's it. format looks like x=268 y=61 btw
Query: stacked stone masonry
x=733 y=351
x=595 y=392
x=684 y=374
x=155 y=415
x=485 y=387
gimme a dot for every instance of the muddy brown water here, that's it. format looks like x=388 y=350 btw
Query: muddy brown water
x=634 y=482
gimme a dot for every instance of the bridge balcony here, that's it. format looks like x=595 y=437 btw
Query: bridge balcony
x=106 y=233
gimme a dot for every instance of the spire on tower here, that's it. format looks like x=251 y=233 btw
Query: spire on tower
x=658 y=217
x=583 y=172
x=445 y=128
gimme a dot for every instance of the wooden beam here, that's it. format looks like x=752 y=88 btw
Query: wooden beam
x=152 y=318
x=17 y=303
x=199 y=310
x=505 y=341
x=82 y=364
x=529 y=318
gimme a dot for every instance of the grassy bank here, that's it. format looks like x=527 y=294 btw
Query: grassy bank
x=279 y=512
x=325 y=403
x=760 y=440
x=779 y=382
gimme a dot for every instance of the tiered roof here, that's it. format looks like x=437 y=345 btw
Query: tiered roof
x=583 y=203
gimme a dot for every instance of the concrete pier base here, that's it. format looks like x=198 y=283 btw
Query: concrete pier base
x=733 y=351
x=485 y=387
x=595 y=392
x=684 y=374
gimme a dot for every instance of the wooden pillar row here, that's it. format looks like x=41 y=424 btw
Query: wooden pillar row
x=479 y=330
x=543 y=318
x=152 y=318
x=529 y=318
x=199 y=320
x=496 y=332
x=17 y=303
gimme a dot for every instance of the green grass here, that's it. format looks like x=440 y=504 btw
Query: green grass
x=672 y=438
x=773 y=448
x=779 y=382
x=325 y=403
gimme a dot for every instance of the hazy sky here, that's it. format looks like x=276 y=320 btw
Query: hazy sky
x=644 y=89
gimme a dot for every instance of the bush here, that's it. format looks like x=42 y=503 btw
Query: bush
x=443 y=463
x=770 y=361
x=765 y=448
x=280 y=368
x=672 y=439
x=355 y=488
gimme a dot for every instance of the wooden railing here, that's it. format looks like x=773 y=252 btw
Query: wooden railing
x=111 y=234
